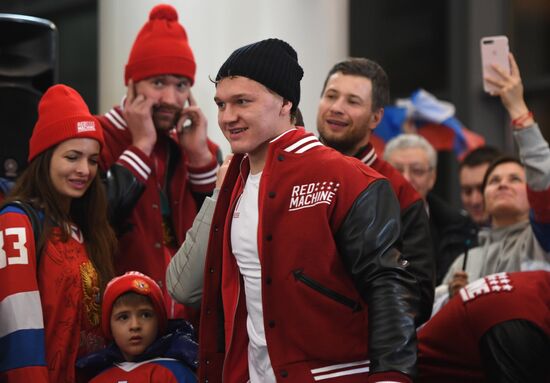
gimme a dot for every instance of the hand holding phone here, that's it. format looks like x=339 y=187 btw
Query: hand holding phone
x=494 y=51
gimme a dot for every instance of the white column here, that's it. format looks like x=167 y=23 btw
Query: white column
x=317 y=29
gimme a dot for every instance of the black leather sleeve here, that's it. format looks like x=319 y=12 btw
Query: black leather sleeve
x=366 y=242
x=515 y=351
x=123 y=191
x=418 y=250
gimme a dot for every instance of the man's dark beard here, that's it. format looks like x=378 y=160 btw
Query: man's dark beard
x=345 y=146
x=168 y=107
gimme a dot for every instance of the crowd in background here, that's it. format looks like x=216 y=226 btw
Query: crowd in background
x=131 y=251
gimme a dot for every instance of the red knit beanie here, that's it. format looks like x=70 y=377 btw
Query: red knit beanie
x=161 y=47
x=138 y=283
x=62 y=115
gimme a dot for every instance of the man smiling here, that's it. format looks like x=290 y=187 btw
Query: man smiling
x=351 y=107
x=302 y=279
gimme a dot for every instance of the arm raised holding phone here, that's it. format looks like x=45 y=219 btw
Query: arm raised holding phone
x=515 y=192
x=494 y=52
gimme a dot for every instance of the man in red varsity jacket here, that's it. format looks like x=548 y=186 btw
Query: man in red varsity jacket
x=351 y=107
x=158 y=170
x=302 y=281
x=496 y=329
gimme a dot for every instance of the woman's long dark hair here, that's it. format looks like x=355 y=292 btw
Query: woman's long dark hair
x=89 y=213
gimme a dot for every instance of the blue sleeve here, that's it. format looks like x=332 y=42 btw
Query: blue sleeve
x=22 y=347
x=541 y=231
x=182 y=373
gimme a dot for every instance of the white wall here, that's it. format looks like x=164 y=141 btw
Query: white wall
x=317 y=29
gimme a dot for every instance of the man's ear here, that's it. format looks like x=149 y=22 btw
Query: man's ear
x=377 y=116
x=286 y=107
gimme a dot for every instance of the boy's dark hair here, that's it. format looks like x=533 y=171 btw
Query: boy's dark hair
x=359 y=66
x=480 y=156
x=131 y=298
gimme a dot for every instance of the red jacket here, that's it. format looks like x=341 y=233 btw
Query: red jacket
x=449 y=343
x=141 y=246
x=157 y=370
x=50 y=316
x=405 y=192
x=316 y=273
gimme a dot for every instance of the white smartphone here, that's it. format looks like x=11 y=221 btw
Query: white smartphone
x=494 y=50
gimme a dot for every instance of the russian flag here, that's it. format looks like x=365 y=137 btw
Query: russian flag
x=433 y=119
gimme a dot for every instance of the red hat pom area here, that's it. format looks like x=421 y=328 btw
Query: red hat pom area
x=161 y=48
x=163 y=12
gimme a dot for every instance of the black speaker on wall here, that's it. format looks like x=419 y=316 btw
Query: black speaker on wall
x=28 y=66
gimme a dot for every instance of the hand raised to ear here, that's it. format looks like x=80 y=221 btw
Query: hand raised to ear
x=138 y=113
x=191 y=128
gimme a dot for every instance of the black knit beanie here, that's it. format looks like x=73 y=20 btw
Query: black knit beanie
x=272 y=62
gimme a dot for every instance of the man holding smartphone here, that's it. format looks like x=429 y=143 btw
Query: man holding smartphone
x=161 y=163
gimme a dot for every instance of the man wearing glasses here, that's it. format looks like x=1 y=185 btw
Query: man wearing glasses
x=451 y=229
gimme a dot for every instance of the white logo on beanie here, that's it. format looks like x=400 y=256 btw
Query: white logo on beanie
x=85 y=126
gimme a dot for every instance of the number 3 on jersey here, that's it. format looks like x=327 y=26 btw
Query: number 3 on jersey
x=19 y=245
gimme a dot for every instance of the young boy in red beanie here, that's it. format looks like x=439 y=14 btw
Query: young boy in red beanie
x=159 y=172
x=145 y=348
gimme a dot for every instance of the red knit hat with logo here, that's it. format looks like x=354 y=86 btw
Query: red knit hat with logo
x=136 y=282
x=161 y=47
x=62 y=115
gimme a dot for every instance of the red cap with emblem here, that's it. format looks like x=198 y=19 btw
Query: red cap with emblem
x=138 y=283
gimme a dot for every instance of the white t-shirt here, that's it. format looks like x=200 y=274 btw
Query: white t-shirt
x=244 y=242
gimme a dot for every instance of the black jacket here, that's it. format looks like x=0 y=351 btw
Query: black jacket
x=452 y=233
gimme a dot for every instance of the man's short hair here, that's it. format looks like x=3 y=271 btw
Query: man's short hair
x=359 y=66
x=479 y=156
x=409 y=140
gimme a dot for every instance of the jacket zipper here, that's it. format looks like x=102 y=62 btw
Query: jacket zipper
x=232 y=207
x=313 y=284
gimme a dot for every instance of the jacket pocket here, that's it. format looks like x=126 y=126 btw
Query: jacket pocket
x=335 y=296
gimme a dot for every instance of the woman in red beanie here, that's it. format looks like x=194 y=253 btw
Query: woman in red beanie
x=50 y=285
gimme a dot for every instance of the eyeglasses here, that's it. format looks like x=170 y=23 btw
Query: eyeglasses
x=413 y=170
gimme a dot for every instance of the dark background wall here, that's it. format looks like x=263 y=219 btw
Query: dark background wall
x=76 y=22
x=434 y=44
